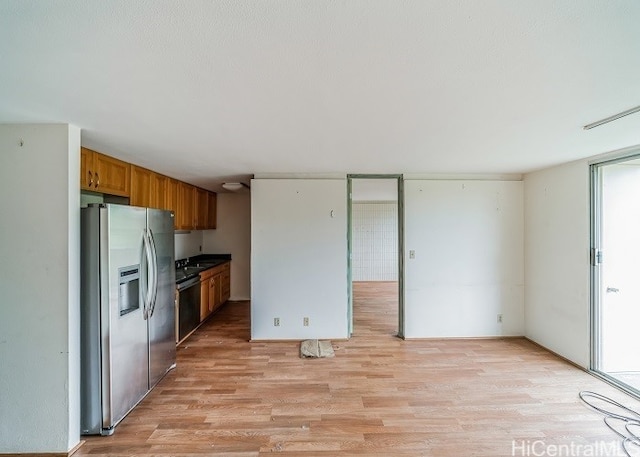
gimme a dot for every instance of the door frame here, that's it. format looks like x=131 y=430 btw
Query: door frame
x=400 y=196
x=594 y=261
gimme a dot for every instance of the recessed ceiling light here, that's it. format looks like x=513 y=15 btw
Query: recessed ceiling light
x=234 y=186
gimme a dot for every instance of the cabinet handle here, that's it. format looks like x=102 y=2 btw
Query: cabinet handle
x=97 y=180
x=90 y=178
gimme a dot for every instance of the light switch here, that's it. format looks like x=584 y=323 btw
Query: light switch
x=412 y=254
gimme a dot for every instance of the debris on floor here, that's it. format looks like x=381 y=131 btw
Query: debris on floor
x=316 y=349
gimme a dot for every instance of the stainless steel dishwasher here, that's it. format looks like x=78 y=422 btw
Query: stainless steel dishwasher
x=188 y=307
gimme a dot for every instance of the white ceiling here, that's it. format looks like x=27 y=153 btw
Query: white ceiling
x=207 y=90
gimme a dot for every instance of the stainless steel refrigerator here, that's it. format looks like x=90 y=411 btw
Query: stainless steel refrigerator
x=127 y=310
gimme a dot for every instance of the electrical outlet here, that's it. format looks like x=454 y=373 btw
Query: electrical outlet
x=499 y=318
x=276 y=322
x=305 y=321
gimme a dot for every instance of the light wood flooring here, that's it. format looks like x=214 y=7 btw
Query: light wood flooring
x=378 y=396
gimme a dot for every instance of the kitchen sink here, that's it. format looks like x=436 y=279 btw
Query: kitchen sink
x=195 y=268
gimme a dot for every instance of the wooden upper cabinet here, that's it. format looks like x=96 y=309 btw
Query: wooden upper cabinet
x=112 y=175
x=86 y=169
x=141 y=186
x=201 y=209
x=159 y=188
x=193 y=207
x=101 y=173
x=171 y=196
x=212 y=210
x=186 y=205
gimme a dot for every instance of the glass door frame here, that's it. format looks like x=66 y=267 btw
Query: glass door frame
x=594 y=260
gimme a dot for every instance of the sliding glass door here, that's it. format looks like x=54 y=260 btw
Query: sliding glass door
x=616 y=263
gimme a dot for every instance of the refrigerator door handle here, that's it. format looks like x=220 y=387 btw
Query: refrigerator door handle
x=143 y=274
x=154 y=274
x=146 y=264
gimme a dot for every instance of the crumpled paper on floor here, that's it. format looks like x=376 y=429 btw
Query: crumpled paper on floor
x=316 y=349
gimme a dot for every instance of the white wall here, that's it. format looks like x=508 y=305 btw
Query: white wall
x=40 y=282
x=233 y=236
x=73 y=284
x=468 y=266
x=298 y=258
x=374 y=190
x=557 y=259
x=188 y=244
x=374 y=247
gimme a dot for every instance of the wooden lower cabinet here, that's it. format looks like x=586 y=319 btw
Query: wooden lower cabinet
x=214 y=295
x=205 y=285
x=215 y=289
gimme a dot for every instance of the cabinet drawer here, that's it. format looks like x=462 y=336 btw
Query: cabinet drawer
x=206 y=274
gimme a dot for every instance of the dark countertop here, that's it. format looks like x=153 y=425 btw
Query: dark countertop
x=207 y=257
x=197 y=264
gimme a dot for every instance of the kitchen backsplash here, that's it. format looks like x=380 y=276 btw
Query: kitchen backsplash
x=188 y=244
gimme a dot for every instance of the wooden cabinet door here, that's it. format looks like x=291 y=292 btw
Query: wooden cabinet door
x=212 y=294
x=212 y=210
x=140 y=186
x=111 y=176
x=159 y=185
x=201 y=208
x=186 y=198
x=86 y=169
x=171 y=196
x=216 y=297
x=204 y=299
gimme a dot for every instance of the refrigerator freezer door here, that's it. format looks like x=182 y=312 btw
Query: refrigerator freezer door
x=125 y=357
x=90 y=374
x=161 y=320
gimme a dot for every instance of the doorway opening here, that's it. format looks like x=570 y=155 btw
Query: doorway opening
x=375 y=255
x=615 y=234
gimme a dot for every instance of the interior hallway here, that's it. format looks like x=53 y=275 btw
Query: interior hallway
x=378 y=396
